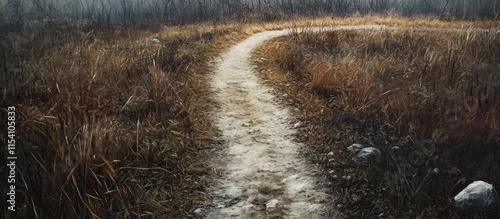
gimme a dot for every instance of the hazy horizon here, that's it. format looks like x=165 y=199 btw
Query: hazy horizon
x=195 y=10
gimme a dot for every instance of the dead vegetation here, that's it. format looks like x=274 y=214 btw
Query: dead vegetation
x=109 y=124
x=429 y=100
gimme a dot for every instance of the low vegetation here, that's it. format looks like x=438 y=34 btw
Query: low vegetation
x=112 y=125
x=109 y=124
x=427 y=98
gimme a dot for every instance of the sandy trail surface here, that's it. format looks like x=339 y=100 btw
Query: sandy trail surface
x=263 y=174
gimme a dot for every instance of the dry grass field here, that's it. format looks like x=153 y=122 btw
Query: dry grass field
x=426 y=98
x=111 y=125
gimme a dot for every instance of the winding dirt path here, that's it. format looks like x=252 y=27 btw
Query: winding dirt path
x=263 y=175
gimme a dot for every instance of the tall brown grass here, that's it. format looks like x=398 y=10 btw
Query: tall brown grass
x=109 y=124
x=433 y=93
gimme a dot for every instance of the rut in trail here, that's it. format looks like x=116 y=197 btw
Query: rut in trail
x=263 y=175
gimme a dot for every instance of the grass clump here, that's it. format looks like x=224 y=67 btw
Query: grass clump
x=428 y=99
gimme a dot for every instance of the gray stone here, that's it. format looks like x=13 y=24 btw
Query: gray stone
x=368 y=154
x=478 y=198
x=198 y=211
x=354 y=148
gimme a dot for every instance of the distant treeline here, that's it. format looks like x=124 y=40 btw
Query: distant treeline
x=182 y=11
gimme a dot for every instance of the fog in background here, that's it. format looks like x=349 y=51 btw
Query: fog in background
x=181 y=11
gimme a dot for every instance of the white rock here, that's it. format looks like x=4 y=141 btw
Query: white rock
x=330 y=154
x=198 y=211
x=154 y=40
x=271 y=204
x=368 y=154
x=354 y=148
x=477 y=197
x=298 y=124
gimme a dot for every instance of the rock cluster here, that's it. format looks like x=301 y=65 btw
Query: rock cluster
x=362 y=154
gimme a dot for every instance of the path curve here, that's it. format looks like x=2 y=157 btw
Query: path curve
x=263 y=176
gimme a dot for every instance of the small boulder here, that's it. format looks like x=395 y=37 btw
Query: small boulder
x=155 y=40
x=354 y=148
x=477 y=199
x=368 y=154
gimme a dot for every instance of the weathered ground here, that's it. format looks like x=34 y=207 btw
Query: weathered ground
x=263 y=176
